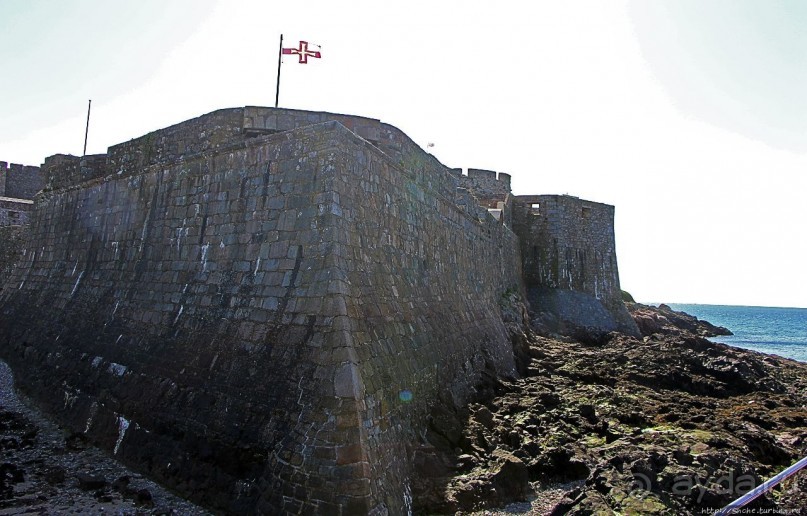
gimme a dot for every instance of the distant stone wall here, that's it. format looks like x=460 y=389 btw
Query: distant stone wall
x=261 y=323
x=19 y=181
x=486 y=185
x=14 y=212
x=568 y=243
x=63 y=170
x=491 y=191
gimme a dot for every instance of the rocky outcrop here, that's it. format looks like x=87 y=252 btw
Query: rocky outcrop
x=670 y=423
x=663 y=319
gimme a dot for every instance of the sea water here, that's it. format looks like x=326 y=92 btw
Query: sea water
x=778 y=331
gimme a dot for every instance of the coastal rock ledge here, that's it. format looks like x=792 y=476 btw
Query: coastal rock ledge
x=669 y=423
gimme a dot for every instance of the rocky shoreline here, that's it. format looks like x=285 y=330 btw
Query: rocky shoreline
x=667 y=424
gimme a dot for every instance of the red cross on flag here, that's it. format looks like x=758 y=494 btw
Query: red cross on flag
x=303 y=52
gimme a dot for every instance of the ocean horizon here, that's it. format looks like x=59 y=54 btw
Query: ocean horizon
x=778 y=331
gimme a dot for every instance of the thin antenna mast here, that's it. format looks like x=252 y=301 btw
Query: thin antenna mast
x=87 y=129
x=279 y=56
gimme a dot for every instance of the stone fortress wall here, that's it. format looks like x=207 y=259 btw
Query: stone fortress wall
x=19 y=181
x=14 y=212
x=490 y=191
x=568 y=252
x=259 y=306
x=263 y=320
x=11 y=243
x=18 y=185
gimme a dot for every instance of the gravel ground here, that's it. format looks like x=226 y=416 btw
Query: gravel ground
x=46 y=470
x=543 y=503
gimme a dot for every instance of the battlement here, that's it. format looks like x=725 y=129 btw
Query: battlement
x=19 y=181
x=63 y=170
x=564 y=208
x=489 y=175
x=488 y=186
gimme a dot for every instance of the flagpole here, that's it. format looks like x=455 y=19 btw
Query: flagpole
x=279 y=55
x=87 y=129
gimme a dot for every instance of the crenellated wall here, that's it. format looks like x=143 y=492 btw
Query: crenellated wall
x=18 y=185
x=486 y=185
x=491 y=191
x=260 y=321
x=19 y=181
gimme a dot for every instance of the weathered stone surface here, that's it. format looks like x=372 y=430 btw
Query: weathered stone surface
x=568 y=246
x=668 y=424
x=19 y=181
x=261 y=307
x=90 y=482
x=243 y=323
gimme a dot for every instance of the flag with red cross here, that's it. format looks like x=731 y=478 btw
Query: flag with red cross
x=303 y=52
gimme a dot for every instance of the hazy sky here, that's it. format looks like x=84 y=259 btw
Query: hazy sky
x=689 y=116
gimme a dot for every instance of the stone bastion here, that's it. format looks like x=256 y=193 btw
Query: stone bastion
x=259 y=307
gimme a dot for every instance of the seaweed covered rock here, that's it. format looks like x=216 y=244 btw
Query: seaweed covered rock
x=671 y=423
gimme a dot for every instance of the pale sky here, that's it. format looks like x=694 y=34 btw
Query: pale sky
x=689 y=116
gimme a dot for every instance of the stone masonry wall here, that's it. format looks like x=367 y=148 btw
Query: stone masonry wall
x=426 y=280
x=19 y=181
x=225 y=127
x=14 y=212
x=63 y=170
x=486 y=185
x=490 y=190
x=390 y=140
x=261 y=323
x=568 y=244
x=12 y=238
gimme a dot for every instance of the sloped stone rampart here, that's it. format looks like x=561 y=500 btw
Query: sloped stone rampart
x=263 y=323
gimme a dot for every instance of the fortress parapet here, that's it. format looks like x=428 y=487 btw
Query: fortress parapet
x=491 y=190
x=18 y=185
x=19 y=181
x=64 y=170
x=227 y=130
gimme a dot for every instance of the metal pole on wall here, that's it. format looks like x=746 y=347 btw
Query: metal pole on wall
x=87 y=129
x=279 y=55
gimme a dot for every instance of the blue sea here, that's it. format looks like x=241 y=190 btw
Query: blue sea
x=778 y=331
